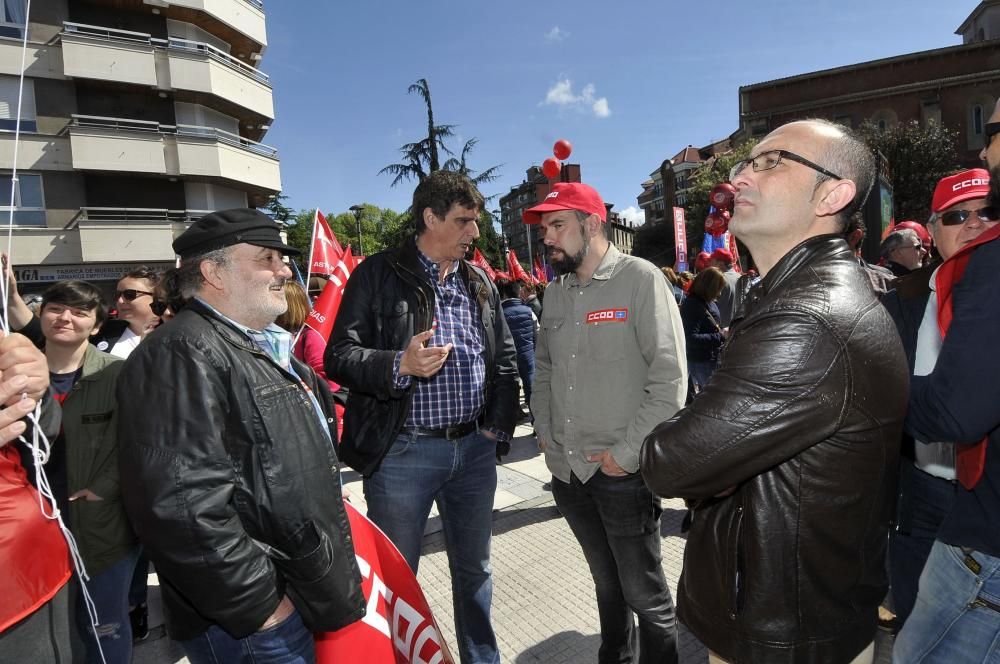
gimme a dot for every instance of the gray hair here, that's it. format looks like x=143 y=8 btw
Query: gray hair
x=189 y=276
x=904 y=237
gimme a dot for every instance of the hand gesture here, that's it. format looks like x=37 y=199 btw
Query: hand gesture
x=420 y=360
x=19 y=357
x=87 y=495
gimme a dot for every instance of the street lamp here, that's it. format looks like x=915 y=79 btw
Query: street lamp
x=357 y=210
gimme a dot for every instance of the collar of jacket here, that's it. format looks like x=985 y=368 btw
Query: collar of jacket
x=917 y=283
x=225 y=329
x=407 y=263
x=799 y=257
x=94 y=362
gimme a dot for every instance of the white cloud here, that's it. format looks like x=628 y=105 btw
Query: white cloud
x=633 y=215
x=561 y=94
x=556 y=35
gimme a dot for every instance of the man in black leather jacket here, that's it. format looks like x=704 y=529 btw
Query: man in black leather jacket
x=228 y=459
x=422 y=346
x=791 y=450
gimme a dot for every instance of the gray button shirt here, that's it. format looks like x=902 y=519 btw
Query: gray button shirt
x=609 y=365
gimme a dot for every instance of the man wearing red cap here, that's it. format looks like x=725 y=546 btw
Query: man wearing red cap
x=609 y=366
x=723 y=259
x=927 y=469
x=956 y=617
x=790 y=452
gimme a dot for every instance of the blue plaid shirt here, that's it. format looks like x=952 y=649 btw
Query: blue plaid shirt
x=456 y=394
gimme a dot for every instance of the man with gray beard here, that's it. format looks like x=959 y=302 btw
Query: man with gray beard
x=228 y=459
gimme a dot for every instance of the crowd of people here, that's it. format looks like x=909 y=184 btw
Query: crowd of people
x=833 y=426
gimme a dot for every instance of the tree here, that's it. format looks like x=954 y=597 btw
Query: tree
x=380 y=228
x=276 y=207
x=918 y=157
x=422 y=157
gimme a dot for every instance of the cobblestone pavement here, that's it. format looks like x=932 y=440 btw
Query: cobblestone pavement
x=543 y=596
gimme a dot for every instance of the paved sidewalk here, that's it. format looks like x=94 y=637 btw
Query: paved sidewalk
x=543 y=596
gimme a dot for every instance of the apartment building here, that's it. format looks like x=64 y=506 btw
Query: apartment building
x=137 y=117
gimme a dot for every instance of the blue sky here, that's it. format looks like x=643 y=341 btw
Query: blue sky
x=628 y=83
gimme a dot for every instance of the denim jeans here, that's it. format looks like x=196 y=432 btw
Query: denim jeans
x=288 y=642
x=461 y=476
x=617 y=522
x=952 y=621
x=924 y=502
x=109 y=591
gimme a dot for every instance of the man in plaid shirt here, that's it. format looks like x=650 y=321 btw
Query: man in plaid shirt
x=421 y=343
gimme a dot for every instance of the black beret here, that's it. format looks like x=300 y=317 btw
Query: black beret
x=228 y=227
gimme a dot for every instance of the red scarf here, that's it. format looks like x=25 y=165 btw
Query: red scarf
x=970 y=458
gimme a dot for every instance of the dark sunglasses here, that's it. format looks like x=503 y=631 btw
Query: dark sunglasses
x=159 y=307
x=991 y=129
x=129 y=294
x=957 y=217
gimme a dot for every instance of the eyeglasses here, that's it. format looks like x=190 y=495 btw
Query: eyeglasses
x=129 y=294
x=765 y=161
x=159 y=307
x=957 y=217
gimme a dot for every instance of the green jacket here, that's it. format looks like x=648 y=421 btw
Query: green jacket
x=90 y=428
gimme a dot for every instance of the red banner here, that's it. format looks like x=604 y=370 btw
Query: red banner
x=326 y=250
x=515 y=269
x=325 y=307
x=541 y=276
x=480 y=261
x=735 y=252
x=680 y=240
x=398 y=627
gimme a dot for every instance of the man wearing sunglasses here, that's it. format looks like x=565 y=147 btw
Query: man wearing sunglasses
x=902 y=251
x=789 y=454
x=956 y=616
x=927 y=469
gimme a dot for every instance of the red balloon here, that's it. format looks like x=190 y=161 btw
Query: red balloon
x=562 y=149
x=722 y=195
x=716 y=224
x=551 y=167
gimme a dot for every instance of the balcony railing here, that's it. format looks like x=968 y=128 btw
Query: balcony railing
x=139 y=215
x=256 y=3
x=100 y=33
x=149 y=126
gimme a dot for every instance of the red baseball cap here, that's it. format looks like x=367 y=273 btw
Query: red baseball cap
x=701 y=261
x=723 y=255
x=568 y=196
x=974 y=183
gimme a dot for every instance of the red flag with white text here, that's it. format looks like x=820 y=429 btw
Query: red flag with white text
x=325 y=307
x=326 y=250
x=398 y=627
x=480 y=261
x=514 y=268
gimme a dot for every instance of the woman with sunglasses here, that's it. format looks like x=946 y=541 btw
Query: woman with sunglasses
x=133 y=298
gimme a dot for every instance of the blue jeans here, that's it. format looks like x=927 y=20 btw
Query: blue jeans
x=288 y=642
x=109 y=591
x=924 y=502
x=617 y=522
x=461 y=476
x=956 y=619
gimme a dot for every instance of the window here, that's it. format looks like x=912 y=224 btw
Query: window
x=8 y=104
x=29 y=201
x=13 y=18
x=977 y=120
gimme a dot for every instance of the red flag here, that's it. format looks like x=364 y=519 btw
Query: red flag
x=480 y=261
x=541 y=276
x=515 y=269
x=503 y=276
x=325 y=307
x=326 y=250
x=734 y=250
x=398 y=627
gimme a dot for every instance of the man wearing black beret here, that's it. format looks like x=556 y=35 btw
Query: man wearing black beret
x=228 y=458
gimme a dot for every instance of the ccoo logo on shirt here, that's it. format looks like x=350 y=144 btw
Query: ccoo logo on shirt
x=608 y=316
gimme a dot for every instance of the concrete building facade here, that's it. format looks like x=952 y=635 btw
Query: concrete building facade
x=137 y=117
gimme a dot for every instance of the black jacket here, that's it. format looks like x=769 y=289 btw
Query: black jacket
x=387 y=300
x=222 y=456
x=802 y=418
x=702 y=330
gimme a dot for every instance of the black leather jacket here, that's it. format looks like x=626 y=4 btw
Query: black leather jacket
x=387 y=300
x=231 y=482
x=802 y=418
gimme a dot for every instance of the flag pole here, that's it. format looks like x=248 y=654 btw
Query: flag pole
x=312 y=247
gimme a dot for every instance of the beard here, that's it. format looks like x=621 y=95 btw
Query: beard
x=569 y=263
x=994 y=197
